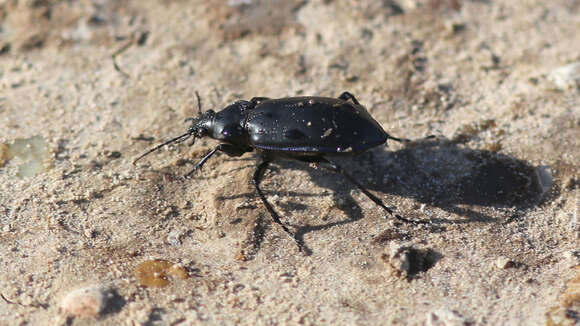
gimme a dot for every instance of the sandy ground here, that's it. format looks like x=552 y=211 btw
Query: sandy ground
x=498 y=83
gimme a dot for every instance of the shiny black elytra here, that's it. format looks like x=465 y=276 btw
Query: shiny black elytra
x=307 y=129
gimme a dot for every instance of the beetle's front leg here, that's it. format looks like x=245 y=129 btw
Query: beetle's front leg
x=229 y=149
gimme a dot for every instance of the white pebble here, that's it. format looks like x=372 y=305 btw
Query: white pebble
x=566 y=77
x=85 y=302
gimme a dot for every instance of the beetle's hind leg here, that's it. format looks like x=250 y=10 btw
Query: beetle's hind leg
x=258 y=175
x=400 y=140
x=326 y=164
x=345 y=96
x=258 y=99
x=407 y=140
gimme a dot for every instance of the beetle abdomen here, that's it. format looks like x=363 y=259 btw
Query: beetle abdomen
x=313 y=124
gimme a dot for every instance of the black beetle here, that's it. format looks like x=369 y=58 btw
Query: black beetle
x=307 y=129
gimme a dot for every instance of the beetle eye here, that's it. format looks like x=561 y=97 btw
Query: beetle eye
x=201 y=132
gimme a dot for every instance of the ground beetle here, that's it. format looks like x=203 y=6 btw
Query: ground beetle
x=307 y=129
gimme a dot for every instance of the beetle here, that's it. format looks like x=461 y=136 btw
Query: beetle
x=308 y=129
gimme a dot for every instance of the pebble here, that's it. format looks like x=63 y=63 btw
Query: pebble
x=445 y=317
x=398 y=259
x=566 y=77
x=504 y=263
x=85 y=302
x=545 y=179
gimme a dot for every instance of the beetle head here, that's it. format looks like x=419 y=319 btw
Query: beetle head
x=202 y=125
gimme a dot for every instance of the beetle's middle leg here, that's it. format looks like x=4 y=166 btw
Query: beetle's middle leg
x=229 y=149
x=337 y=169
x=258 y=174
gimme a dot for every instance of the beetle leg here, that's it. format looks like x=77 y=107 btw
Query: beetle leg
x=345 y=96
x=258 y=174
x=400 y=140
x=229 y=149
x=257 y=100
x=406 y=140
x=337 y=169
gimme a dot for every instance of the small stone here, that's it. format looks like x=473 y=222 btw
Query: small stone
x=504 y=263
x=444 y=317
x=568 y=311
x=398 y=260
x=573 y=257
x=85 y=302
x=545 y=179
x=174 y=237
x=113 y=154
x=566 y=77
x=404 y=260
x=454 y=27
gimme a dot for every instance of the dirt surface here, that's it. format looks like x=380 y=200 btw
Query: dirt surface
x=498 y=83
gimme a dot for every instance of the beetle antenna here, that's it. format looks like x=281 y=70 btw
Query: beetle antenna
x=177 y=139
x=198 y=102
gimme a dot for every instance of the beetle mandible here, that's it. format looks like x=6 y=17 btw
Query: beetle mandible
x=308 y=129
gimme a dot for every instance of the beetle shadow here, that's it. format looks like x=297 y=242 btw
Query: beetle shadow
x=449 y=176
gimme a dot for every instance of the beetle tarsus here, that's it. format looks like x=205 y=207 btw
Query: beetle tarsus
x=258 y=174
x=345 y=96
